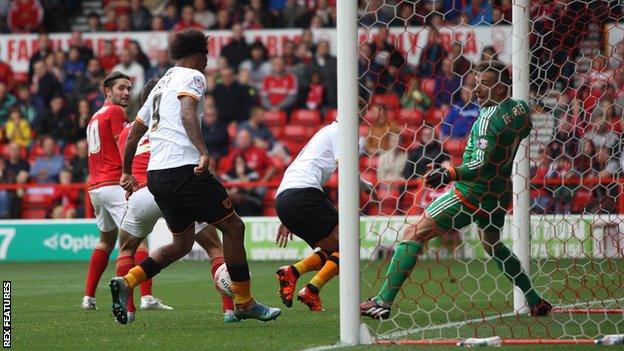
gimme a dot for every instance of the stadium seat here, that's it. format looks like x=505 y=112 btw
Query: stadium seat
x=277 y=131
x=294 y=147
x=410 y=116
x=4 y=151
x=298 y=133
x=581 y=199
x=269 y=211
x=330 y=116
x=310 y=118
x=454 y=147
x=389 y=101
x=275 y=118
x=36 y=205
x=280 y=166
x=434 y=116
x=368 y=163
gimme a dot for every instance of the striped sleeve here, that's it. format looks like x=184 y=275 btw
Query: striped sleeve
x=485 y=145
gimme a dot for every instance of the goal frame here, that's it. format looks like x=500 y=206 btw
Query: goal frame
x=352 y=330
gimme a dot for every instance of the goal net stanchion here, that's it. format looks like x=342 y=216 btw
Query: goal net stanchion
x=566 y=225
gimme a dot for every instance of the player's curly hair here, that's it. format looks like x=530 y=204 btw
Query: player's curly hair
x=147 y=89
x=188 y=42
x=498 y=68
x=110 y=79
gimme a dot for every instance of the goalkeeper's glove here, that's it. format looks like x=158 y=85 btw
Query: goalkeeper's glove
x=439 y=177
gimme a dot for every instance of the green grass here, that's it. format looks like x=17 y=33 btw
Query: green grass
x=46 y=314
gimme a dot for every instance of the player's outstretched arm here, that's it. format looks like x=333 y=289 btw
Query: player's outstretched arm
x=188 y=111
x=127 y=181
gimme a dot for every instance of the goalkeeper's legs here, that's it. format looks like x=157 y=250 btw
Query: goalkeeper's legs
x=509 y=264
x=443 y=214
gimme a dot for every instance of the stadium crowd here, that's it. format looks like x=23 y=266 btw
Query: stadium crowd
x=259 y=110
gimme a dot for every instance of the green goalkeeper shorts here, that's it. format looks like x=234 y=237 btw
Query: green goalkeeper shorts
x=452 y=211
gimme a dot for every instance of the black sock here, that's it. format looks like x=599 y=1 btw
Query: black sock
x=312 y=288
x=150 y=267
x=295 y=271
x=239 y=273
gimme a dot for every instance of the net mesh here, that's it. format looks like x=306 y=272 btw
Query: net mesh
x=416 y=61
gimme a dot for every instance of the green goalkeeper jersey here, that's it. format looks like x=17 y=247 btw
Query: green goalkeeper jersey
x=484 y=178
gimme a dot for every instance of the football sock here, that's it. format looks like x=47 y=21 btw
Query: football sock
x=314 y=262
x=136 y=275
x=215 y=263
x=97 y=266
x=144 y=271
x=509 y=264
x=404 y=259
x=240 y=283
x=139 y=256
x=329 y=270
x=122 y=266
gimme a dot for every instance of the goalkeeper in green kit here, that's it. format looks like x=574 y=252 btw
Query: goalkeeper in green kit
x=482 y=193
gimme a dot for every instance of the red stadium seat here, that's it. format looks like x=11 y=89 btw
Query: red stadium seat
x=580 y=200
x=454 y=147
x=410 y=116
x=434 y=116
x=294 y=147
x=389 y=101
x=4 y=151
x=330 y=116
x=269 y=210
x=275 y=118
x=298 y=133
x=310 y=118
x=277 y=131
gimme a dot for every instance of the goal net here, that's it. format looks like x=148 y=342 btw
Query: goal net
x=416 y=61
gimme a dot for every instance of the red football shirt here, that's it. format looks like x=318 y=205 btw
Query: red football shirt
x=102 y=135
x=277 y=88
x=141 y=157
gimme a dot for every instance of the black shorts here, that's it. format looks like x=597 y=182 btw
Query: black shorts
x=307 y=213
x=184 y=197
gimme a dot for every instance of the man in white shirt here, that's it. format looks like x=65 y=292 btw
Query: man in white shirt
x=179 y=179
x=133 y=69
x=304 y=210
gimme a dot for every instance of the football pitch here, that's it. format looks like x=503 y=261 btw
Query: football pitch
x=46 y=313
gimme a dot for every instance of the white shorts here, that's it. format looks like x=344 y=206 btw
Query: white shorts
x=143 y=213
x=109 y=205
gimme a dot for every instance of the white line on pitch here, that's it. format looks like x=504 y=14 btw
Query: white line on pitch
x=325 y=347
x=458 y=324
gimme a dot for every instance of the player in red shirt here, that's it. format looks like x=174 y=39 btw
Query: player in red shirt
x=143 y=212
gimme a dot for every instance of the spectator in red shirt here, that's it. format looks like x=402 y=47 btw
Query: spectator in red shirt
x=109 y=58
x=279 y=89
x=256 y=158
x=25 y=16
x=186 y=20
